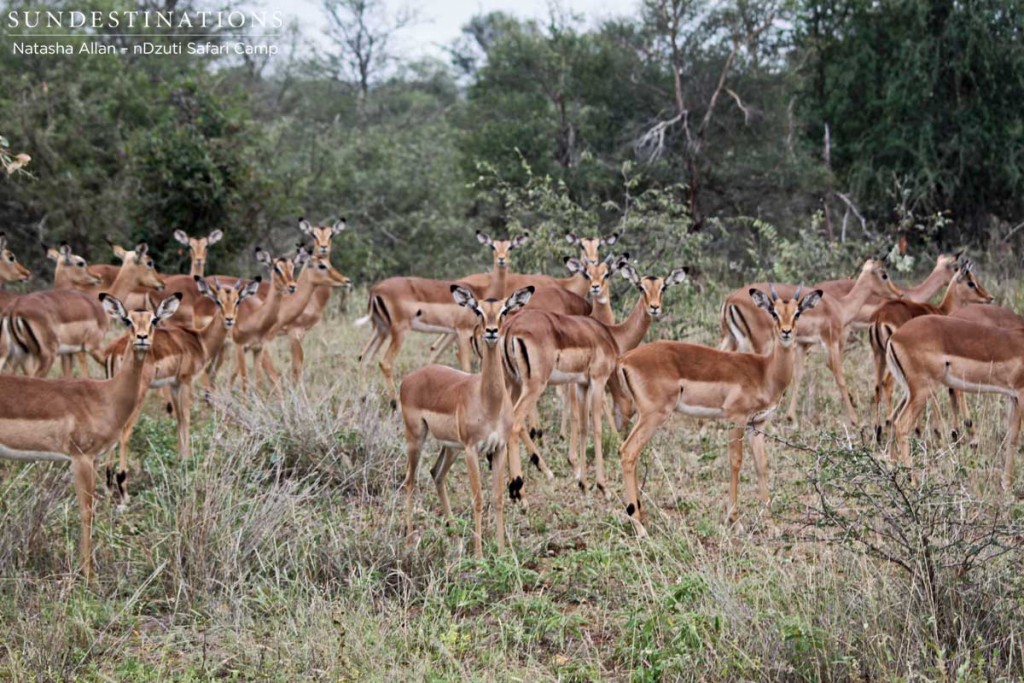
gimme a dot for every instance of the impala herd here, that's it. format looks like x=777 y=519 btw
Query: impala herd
x=528 y=332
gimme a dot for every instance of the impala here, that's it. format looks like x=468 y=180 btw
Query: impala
x=963 y=289
x=10 y=269
x=544 y=348
x=301 y=311
x=462 y=410
x=180 y=354
x=45 y=325
x=827 y=325
x=76 y=420
x=197 y=248
x=667 y=377
x=259 y=316
x=939 y=351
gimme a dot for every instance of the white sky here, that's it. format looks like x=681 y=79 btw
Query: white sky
x=441 y=21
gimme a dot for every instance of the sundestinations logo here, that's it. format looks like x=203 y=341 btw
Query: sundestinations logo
x=142 y=19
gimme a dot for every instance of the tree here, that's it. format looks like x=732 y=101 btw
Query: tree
x=362 y=31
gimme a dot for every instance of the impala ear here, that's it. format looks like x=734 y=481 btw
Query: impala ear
x=214 y=237
x=484 y=239
x=301 y=258
x=575 y=266
x=250 y=288
x=610 y=239
x=263 y=256
x=204 y=287
x=339 y=226
x=51 y=253
x=520 y=240
x=167 y=308
x=114 y=308
x=304 y=226
x=3 y=241
x=464 y=297
x=519 y=298
x=809 y=301
x=119 y=251
x=182 y=237
x=628 y=271
x=571 y=238
x=677 y=276
x=65 y=252
x=141 y=249
x=763 y=300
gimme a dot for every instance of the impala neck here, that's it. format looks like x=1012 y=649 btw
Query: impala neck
x=779 y=372
x=492 y=379
x=267 y=313
x=923 y=293
x=630 y=332
x=126 y=389
x=601 y=310
x=499 y=280
x=122 y=286
x=851 y=304
x=303 y=293
x=213 y=335
x=577 y=284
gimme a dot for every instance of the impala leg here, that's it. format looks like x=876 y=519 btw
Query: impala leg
x=735 y=463
x=961 y=413
x=883 y=387
x=473 y=465
x=497 y=495
x=527 y=399
x=565 y=401
x=799 y=358
x=439 y=473
x=240 y=369
x=295 y=338
x=579 y=439
x=755 y=438
x=83 y=364
x=414 y=443
x=597 y=403
x=906 y=419
x=181 y=397
x=83 y=467
x=126 y=436
x=463 y=351
x=1012 y=434
x=440 y=346
x=66 y=365
x=835 y=365
x=629 y=453
x=387 y=364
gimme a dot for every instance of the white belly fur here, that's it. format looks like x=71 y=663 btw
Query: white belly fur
x=32 y=456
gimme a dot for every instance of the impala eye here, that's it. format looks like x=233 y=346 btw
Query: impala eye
x=970 y=283
x=885 y=276
x=80 y=264
x=10 y=257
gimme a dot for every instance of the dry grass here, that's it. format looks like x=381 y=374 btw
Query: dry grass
x=278 y=554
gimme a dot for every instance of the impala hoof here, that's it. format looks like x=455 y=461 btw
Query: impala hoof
x=535 y=461
x=515 y=489
x=394 y=404
x=490 y=461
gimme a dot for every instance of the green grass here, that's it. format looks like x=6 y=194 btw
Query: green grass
x=279 y=554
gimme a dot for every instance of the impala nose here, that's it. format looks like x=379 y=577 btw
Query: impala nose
x=656 y=311
x=491 y=336
x=291 y=289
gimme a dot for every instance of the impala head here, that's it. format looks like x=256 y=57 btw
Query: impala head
x=322 y=273
x=598 y=274
x=138 y=267
x=502 y=248
x=322 y=234
x=970 y=290
x=282 y=269
x=71 y=269
x=785 y=312
x=197 y=247
x=651 y=286
x=589 y=246
x=141 y=323
x=227 y=298
x=881 y=284
x=492 y=312
x=10 y=269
